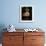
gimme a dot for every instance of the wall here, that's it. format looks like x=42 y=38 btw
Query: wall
x=9 y=13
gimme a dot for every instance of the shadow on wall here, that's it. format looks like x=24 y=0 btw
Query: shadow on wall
x=2 y=26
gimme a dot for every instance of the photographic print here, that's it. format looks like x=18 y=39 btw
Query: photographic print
x=26 y=13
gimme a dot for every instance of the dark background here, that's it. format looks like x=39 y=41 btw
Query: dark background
x=28 y=17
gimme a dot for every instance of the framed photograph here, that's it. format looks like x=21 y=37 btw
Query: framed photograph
x=26 y=13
